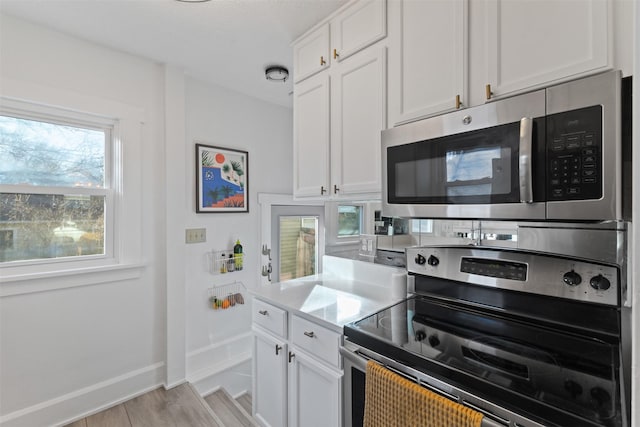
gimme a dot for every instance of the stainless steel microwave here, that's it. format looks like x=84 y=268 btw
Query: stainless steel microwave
x=557 y=153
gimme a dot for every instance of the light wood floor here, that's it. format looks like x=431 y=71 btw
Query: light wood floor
x=230 y=411
x=177 y=407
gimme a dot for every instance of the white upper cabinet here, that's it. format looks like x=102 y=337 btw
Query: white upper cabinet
x=338 y=114
x=427 y=58
x=360 y=25
x=311 y=136
x=336 y=147
x=311 y=54
x=531 y=42
x=358 y=115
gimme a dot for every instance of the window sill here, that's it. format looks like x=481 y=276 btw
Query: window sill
x=61 y=279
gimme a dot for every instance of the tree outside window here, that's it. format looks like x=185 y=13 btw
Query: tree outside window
x=54 y=187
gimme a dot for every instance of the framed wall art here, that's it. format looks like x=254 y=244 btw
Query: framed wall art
x=222 y=180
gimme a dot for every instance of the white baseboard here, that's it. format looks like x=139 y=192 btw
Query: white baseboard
x=225 y=364
x=88 y=400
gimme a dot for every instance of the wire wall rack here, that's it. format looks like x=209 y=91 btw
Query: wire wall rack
x=226 y=296
x=224 y=261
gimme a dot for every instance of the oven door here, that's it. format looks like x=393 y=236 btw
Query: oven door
x=353 y=383
x=486 y=161
x=355 y=361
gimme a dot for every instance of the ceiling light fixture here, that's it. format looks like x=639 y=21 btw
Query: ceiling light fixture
x=276 y=74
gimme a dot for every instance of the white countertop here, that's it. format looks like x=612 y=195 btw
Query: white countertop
x=348 y=290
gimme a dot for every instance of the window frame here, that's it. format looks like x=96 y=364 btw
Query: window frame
x=361 y=213
x=111 y=191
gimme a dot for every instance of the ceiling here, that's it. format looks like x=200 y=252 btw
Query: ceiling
x=224 y=42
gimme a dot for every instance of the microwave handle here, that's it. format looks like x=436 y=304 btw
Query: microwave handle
x=526 y=138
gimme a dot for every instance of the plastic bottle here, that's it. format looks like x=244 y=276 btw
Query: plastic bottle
x=231 y=265
x=237 y=255
x=223 y=264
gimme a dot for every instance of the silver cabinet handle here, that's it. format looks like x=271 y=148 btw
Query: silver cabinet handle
x=310 y=334
x=263 y=312
x=526 y=135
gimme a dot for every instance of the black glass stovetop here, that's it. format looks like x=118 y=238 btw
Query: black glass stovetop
x=536 y=368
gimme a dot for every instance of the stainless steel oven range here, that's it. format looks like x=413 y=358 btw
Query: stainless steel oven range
x=525 y=337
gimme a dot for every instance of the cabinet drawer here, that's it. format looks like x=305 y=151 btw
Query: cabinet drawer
x=316 y=340
x=270 y=317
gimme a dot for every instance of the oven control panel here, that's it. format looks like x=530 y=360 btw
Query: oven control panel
x=494 y=268
x=520 y=271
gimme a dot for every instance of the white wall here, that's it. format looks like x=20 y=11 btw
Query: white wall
x=219 y=117
x=68 y=352
x=64 y=352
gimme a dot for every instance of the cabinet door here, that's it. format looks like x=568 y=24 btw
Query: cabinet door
x=315 y=393
x=311 y=137
x=427 y=57
x=269 y=380
x=311 y=54
x=358 y=114
x=530 y=42
x=360 y=25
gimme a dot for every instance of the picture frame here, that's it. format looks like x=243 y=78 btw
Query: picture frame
x=222 y=179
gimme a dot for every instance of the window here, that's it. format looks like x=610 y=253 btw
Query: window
x=296 y=238
x=349 y=220
x=56 y=185
x=298 y=254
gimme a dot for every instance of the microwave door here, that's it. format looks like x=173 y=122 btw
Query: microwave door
x=491 y=170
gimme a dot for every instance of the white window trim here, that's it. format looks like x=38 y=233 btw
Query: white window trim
x=122 y=258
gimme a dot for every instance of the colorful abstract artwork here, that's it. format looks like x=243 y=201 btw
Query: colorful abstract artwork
x=222 y=180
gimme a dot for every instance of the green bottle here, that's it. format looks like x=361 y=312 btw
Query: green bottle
x=237 y=255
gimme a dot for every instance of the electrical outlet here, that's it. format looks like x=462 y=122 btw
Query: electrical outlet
x=195 y=235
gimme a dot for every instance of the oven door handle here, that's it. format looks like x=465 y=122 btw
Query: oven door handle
x=358 y=362
x=525 y=160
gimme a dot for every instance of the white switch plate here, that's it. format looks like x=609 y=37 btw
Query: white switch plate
x=195 y=235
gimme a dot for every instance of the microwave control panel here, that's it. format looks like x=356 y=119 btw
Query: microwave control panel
x=574 y=154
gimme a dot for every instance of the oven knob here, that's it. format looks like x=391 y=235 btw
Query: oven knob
x=572 y=278
x=434 y=341
x=420 y=260
x=420 y=336
x=433 y=261
x=573 y=388
x=600 y=283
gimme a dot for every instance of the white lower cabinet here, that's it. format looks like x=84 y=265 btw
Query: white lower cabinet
x=269 y=380
x=315 y=392
x=297 y=382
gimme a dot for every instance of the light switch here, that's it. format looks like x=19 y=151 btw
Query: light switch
x=195 y=235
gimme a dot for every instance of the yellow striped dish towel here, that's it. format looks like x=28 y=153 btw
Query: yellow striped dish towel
x=393 y=401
